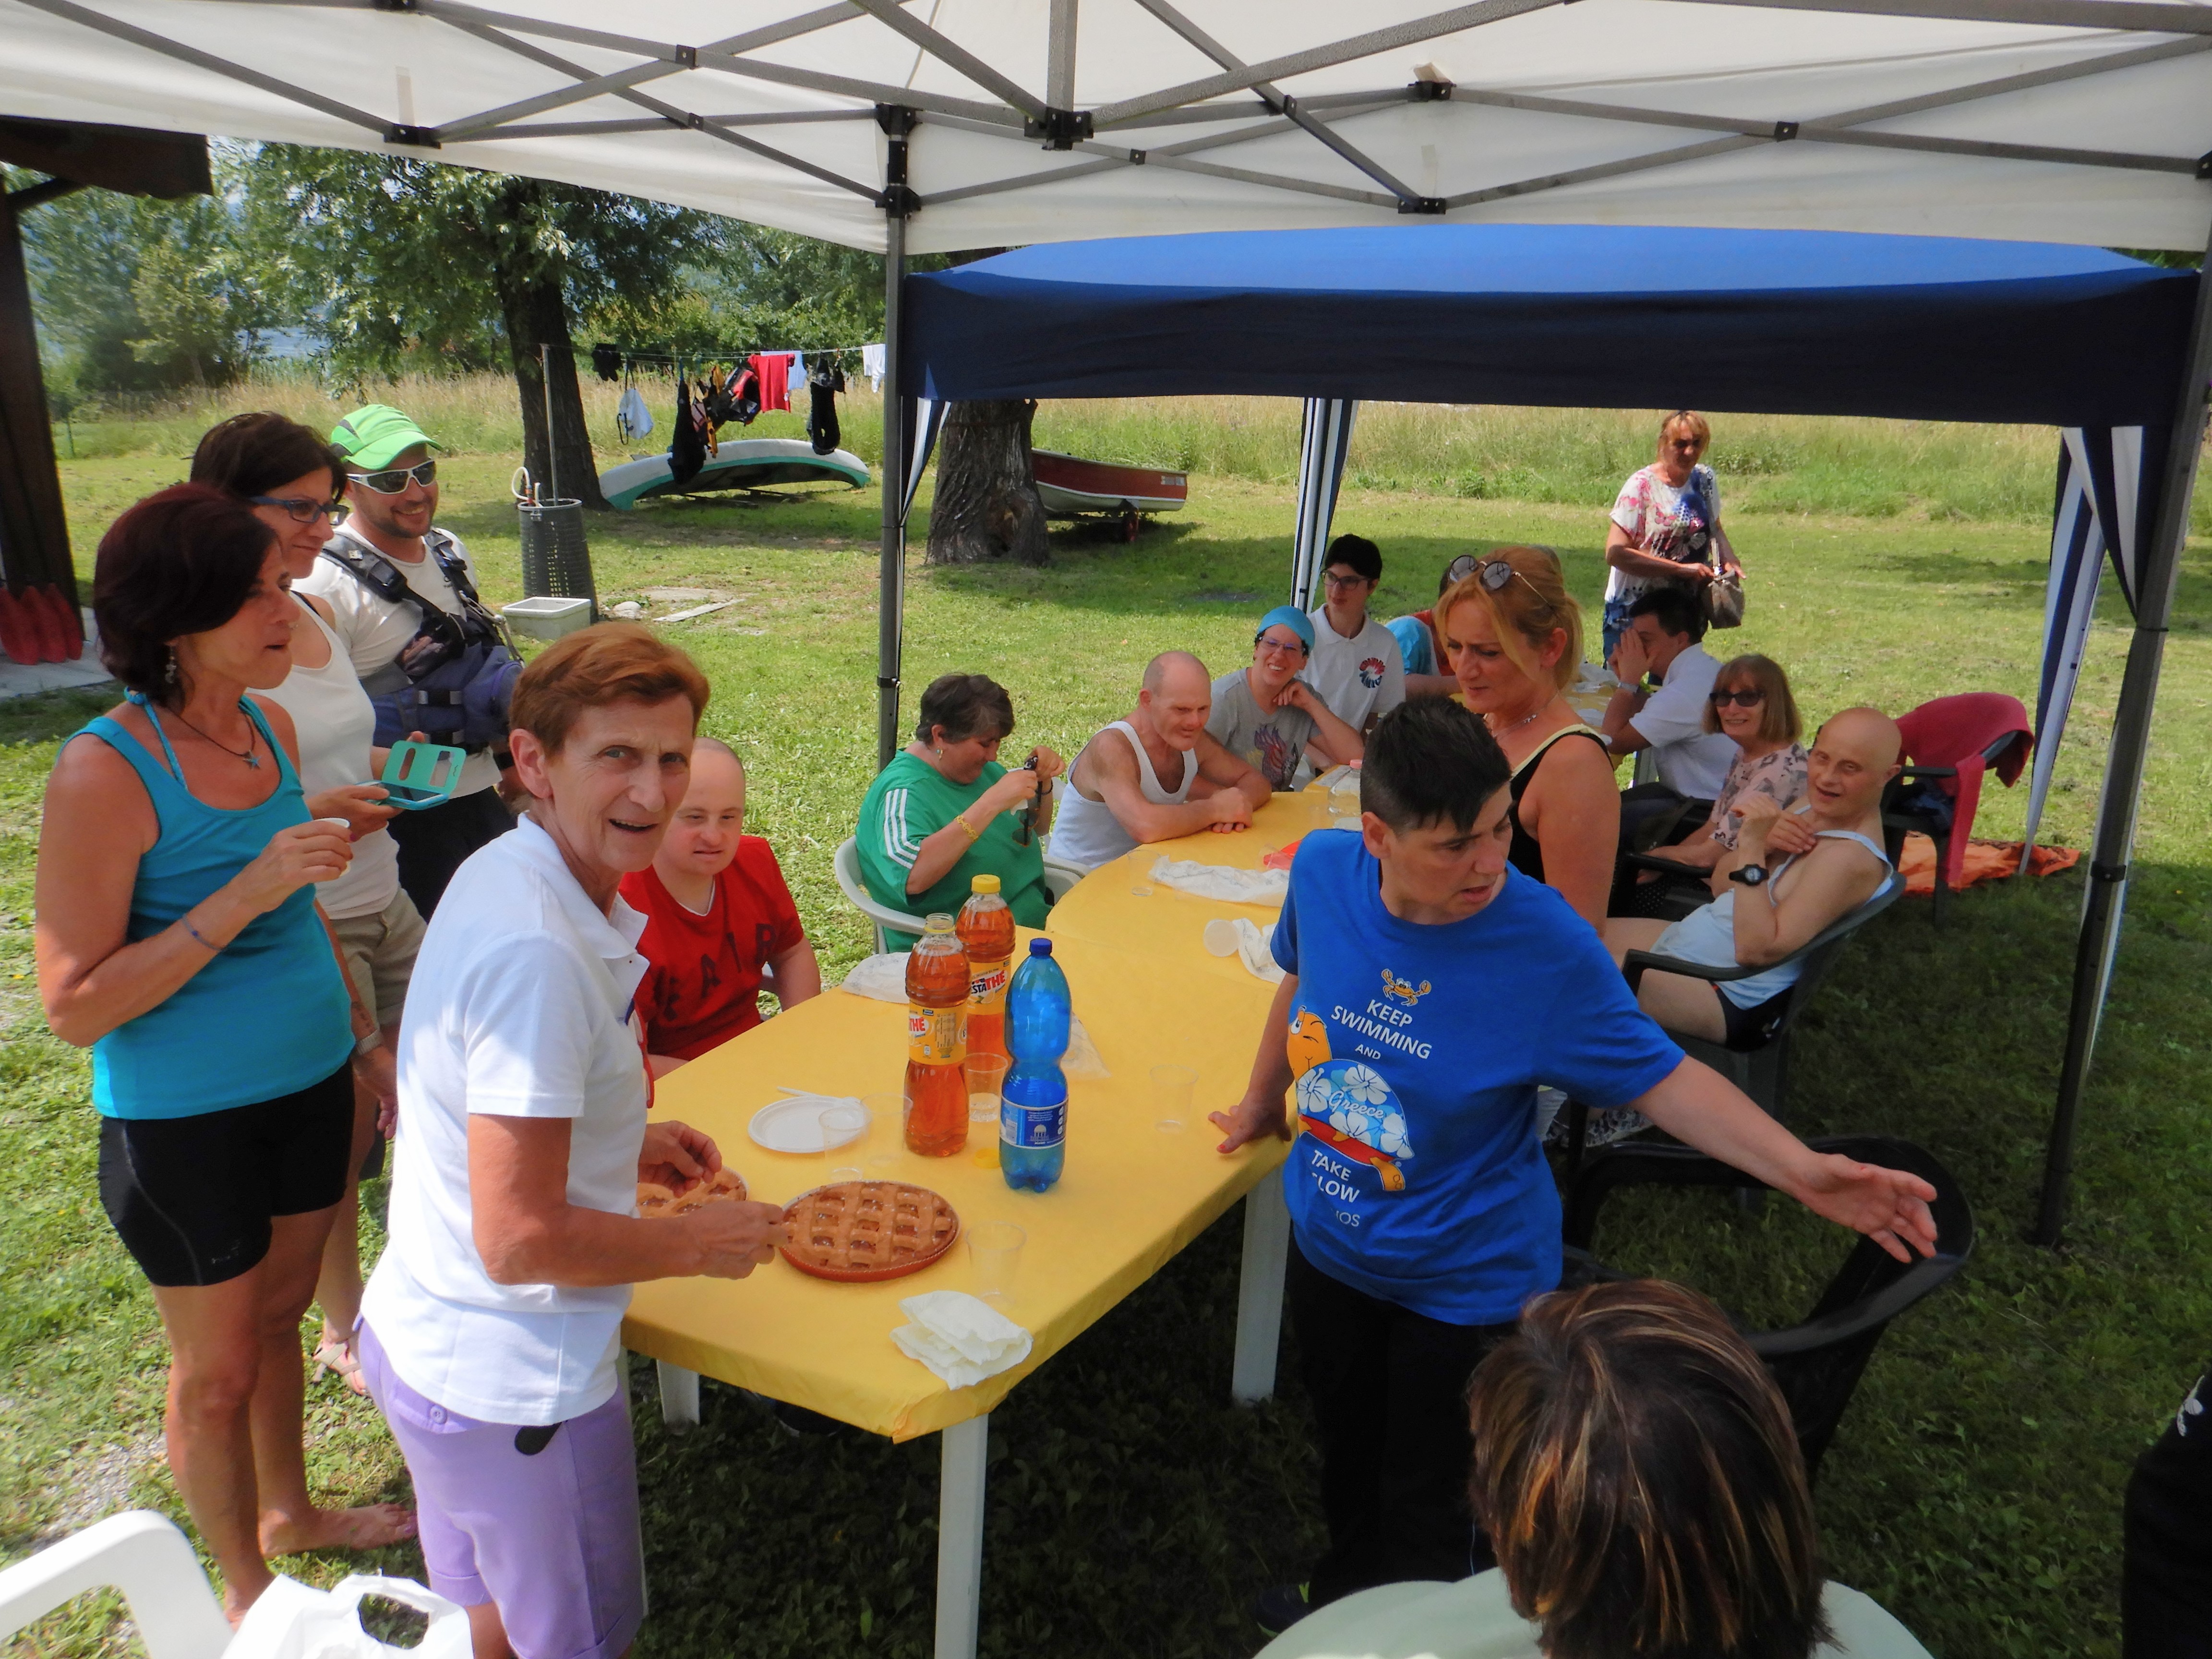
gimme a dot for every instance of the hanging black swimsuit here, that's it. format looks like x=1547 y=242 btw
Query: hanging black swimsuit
x=1527 y=855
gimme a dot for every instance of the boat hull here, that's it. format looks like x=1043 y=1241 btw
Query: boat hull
x=1069 y=485
x=741 y=464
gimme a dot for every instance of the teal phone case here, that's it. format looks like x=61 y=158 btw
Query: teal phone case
x=420 y=774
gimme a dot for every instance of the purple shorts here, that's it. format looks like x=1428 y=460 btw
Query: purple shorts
x=552 y=1537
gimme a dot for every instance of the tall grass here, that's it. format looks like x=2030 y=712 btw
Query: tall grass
x=1767 y=462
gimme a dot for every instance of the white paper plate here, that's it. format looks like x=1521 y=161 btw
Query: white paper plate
x=793 y=1124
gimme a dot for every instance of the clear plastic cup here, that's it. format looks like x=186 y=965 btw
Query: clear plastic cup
x=1171 y=1093
x=843 y=1129
x=994 y=1250
x=987 y=1082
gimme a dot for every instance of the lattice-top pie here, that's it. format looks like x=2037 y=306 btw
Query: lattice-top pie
x=724 y=1186
x=865 y=1230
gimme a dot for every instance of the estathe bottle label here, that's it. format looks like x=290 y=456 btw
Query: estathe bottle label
x=986 y=989
x=936 y=1037
x=1032 y=1126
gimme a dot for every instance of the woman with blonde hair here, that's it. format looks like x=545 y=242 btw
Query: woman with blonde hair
x=1665 y=527
x=1514 y=637
x=1750 y=704
x=1637 y=1473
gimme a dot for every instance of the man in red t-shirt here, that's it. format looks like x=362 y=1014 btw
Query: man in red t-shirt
x=719 y=923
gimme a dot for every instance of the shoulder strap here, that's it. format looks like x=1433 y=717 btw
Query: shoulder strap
x=370 y=568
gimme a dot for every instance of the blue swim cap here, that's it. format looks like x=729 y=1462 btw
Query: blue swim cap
x=1290 y=618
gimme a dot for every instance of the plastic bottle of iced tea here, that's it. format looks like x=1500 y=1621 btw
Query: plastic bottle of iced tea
x=936 y=1041
x=986 y=927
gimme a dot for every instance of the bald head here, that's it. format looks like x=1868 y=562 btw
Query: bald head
x=1176 y=669
x=1853 y=757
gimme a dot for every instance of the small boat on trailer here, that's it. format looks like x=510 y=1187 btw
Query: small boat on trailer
x=741 y=464
x=1073 y=488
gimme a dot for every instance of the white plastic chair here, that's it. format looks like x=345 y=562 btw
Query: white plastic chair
x=143 y=1555
x=847 y=864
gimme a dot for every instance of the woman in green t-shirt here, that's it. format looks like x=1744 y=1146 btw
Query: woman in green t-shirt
x=945 y=811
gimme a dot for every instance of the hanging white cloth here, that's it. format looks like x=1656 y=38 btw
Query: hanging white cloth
x=633 y=420
x=871 y=365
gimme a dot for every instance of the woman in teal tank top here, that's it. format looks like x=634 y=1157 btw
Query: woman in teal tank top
x=179 y=939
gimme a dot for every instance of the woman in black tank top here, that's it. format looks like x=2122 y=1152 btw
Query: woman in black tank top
x=1514 y=637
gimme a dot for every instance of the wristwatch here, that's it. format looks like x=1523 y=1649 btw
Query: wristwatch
x=1751 y=875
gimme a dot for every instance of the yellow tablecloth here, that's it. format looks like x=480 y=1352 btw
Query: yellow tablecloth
x=1120 y=905
x=1132 y=1195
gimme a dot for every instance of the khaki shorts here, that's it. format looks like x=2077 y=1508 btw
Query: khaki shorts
x=380 y=950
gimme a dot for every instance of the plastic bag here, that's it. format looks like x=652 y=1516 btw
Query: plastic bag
x=293 y=1621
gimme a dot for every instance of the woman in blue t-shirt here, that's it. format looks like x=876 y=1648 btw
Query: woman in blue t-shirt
x=179 y=939
x=1428 y=989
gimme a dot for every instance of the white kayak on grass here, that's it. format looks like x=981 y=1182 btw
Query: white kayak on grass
x=741 y=464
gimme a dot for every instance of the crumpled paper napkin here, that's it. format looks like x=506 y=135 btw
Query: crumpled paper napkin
x=1236 y=936
x=962 y=1337
x=883 y=979
x=1222 y=881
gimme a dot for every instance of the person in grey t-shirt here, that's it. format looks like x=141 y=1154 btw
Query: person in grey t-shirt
x=1266 y=715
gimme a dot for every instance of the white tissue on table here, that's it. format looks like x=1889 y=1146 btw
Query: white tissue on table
x=1222 y=881
x=883 y=979
x=962 y=1337
x=1236 y=936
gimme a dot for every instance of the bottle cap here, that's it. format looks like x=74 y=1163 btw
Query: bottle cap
x=1040 y=947
x=984 y=884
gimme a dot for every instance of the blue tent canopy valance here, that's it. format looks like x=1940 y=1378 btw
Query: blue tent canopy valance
x=1765 y=322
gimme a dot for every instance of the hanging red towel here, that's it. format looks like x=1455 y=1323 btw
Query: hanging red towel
x=773 y=371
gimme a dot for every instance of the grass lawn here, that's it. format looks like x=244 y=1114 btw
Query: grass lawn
x=1975 y=1486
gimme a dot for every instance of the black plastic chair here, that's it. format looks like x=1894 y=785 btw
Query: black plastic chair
x=1680 y=889
x=1817 y=1363
x=1761 y=1067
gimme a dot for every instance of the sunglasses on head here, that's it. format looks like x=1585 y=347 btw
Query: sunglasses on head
x=1750 y=699
x=1493 y=575
x=298 y=508
x=393 y=480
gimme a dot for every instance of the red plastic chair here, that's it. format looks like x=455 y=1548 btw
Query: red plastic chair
x=1954 y=741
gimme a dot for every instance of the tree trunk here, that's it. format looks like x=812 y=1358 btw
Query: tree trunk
x=536 y=313
x=987 y=505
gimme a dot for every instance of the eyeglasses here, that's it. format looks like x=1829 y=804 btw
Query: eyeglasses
x=1460 y=569
x=298 y=509
x=392 y=482
x=1336 y=583
x=1750 y=699
x=1276 y=647
x=1493 y=575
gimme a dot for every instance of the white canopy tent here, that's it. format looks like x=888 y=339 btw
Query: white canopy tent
x=2053 y=120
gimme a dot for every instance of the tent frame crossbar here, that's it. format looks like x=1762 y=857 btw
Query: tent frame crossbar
x=664 y=123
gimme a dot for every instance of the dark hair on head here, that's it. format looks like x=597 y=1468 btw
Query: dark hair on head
x=1778 y=718
x=607 y=662
x=966 y=706
x=1638 y=1475
x=251 y=454
x=1675 y=609
x=1362 y=555
x=183 y=561
x=1430 y=760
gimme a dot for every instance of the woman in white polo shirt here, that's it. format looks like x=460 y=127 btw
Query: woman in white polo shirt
x=490 y=1332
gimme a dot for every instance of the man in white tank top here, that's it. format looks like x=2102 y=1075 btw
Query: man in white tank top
x=1156 y=774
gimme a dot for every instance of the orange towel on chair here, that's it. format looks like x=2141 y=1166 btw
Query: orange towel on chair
x=1985 y=860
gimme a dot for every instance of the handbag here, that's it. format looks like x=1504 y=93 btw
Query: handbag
x=1722 y=598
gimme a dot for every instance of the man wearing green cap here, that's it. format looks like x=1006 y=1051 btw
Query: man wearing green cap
x=1266 y=714
x=381 y=573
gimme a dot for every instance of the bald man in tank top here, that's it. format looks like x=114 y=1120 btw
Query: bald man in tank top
x=1156 y=774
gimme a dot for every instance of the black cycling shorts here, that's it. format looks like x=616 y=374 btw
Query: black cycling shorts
x=191 y=1198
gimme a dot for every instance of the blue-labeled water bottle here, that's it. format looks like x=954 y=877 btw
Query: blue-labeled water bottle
x=1033 y=1109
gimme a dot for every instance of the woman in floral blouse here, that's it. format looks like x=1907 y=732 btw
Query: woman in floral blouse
x=1750 y=704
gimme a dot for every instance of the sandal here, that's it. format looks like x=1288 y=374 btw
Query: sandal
x=339 y=1356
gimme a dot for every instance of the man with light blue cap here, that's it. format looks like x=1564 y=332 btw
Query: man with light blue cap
x=1267 y=715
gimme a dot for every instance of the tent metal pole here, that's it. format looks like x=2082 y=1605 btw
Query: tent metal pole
x=2115 y=815
x=890 y=571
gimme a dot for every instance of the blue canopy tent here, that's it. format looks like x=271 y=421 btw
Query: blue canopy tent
x=2114 y=352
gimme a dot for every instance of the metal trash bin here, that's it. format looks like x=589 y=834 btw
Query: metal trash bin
x=556 y=563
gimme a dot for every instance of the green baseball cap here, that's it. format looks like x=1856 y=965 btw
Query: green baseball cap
x=372 y=435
